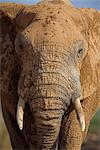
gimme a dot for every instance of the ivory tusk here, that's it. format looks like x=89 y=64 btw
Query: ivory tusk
x=80 y=113
x=56 y=145
x=20 y=112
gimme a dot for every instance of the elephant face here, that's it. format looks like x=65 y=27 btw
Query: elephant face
x=50 y=49
x=47 y=61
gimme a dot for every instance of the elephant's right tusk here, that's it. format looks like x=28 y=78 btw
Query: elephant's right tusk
x=20 y=112
x=80 y=113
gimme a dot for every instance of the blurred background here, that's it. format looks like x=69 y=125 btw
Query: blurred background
x=92 y=141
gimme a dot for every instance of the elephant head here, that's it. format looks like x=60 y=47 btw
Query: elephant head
x=50 y=74
x=51 y=44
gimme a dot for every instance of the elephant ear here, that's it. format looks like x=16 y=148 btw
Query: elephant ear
x=13 y=19
x=90 y=70
x=8 y=58
x=10 y=69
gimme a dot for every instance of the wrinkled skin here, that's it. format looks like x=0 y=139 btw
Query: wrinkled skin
x=50 y=60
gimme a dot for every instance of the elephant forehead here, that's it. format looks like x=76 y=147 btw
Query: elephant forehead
x=55 y=33
x=53 y=23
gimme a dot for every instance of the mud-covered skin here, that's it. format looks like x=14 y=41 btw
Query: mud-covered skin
x=9 y=75
x=37 y=41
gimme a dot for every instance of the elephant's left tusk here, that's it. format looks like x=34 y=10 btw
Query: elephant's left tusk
x=80 y=113
x=56 y=145
x=20 y=112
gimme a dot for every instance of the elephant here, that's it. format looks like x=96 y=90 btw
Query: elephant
x=50 y=73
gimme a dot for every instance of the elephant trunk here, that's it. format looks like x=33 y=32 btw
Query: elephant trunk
x=47 y=121
x=48 y=107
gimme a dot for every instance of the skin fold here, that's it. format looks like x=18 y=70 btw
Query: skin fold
x=50 y=73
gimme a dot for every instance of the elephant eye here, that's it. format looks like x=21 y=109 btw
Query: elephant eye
x=80 y=52
x=20 y=46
